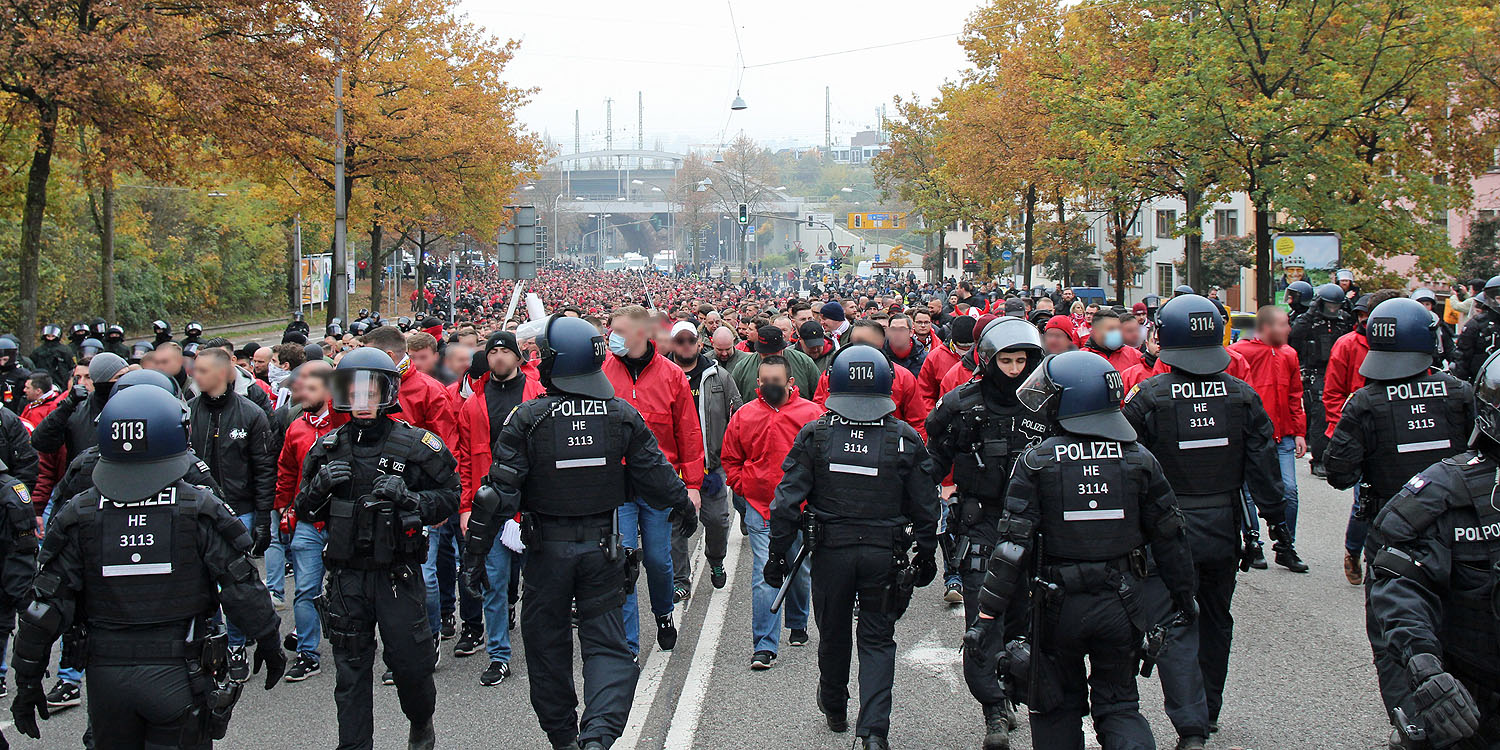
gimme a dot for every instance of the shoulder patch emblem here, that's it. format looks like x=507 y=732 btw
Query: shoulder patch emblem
x=1133 y=389
x=21 y=493
x=1415 y=484
x=431 y=441
x=510 y=414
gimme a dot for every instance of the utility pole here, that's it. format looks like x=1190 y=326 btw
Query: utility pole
x=577 y=139
x=827 y=120
x=640 y=120
x=339 y=294
x=609 y=126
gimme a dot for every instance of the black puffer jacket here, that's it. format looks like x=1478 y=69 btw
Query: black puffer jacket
x=231 y=434
x=71 y=425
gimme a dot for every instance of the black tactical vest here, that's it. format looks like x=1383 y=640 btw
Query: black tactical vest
x=577 y=458
x=140 y=560
x=857 y=468
x=988 y=444
x=1200 y=438
x=1090 y=497
x=363 y=533
x=1322 y=334
x=1471 y=623
x=1417 y=423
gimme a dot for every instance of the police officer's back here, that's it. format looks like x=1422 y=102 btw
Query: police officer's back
x=377 y=483
x=1313 y=335
x=1213 y=438
x=1436 y=574
x=1081 y=510
x=866 y=478
x=144 y=560
x=977 y=430
x=568 y=460
x=1481 y=334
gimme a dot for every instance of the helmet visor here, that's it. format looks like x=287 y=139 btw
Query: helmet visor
x=1330 y=308
x=363 y=390
x=1038 y=390
x=1490 y=297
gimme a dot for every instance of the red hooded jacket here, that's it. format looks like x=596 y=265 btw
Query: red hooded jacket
x=756 y=443
x=1122 y=359
x=940 y=359
x=1275 y=375
x=423 y=402
x=1343 y=377
x=662 y=396
x=472 y=448
x=301 y=435
x=1136 y=373
x=50 y=466
x=909 y=405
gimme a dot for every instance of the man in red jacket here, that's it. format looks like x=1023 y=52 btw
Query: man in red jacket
x=659 y=391
x=303 y=543
x=41 y=398
x=909 y=405
x=1276 y=376
x=940 y=359
x=756 y=442
x=496 y=394
x=1106 y=340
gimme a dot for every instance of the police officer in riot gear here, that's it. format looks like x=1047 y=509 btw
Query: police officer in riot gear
x=298 y=324
x=52 y=356
x=1213 y=439
x=1442 y=352
x=163 y=331
x=1081 y=510
x=977 y=430
x=871 y=501
x=76 y=335
x=567 y=461
x=1299 y=294
x=1433 y=596
x=1481 y=334
x=377 y=483
x=1403 y=420
x=194 y=331
x=144 y=560
x=1313 y=334
x=12 y=376
x=114 y=342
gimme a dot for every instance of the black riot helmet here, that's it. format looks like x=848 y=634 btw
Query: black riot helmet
x=364 y=312
x=1330 y=300
x=403 y=323
x=161 y=327
x=79 y=332
x=145 y=377
x=1009 y=334
x=365 y=378
x=1082 y=391
x=573 y=353
x=51 y=333
x=1490 y=297
x=334 y=329
x=10 y=352
x=1191 y=335
x=1181 y=290
x=1487 y=407
x=859 y=382
x=99 y=326
x=90 y=346
x=359 y=328
x=1423 y=294
x=143 y=444
x=115 y=333
x=1402 y=336
x=297 y=316
x=139 y=350
x=1299 y=293
x=1152 y=303
x=194 y=328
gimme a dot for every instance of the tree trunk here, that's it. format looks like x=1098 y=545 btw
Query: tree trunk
x=1027 y=241
x=422 y=269
x=943 y=255
x=1262 y=254
x=377 y=264
x=1192 y=242
x=1119 y=259
x=107 y=246
x=31 y=222
x=1062 y=218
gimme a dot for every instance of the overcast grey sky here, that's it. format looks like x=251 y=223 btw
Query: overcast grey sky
x=680 y=54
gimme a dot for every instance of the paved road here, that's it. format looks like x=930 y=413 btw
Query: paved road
x=1300 y=677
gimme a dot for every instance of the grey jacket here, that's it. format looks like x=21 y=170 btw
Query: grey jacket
x=718 y=399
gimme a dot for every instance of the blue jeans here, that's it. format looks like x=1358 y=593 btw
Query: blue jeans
x=276 y=557
x=765 y=626
x=1357 y=530
x=652 y=530
x=435 y=541
x=497 y=602
x=470 y=609
x=306 y=550
x=1286 y=456
x=236 y=637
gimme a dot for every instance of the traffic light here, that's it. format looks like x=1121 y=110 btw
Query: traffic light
x=744 y=214
x=516 y=247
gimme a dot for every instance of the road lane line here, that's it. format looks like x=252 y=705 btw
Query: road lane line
x=654 y=669
x=684 y=726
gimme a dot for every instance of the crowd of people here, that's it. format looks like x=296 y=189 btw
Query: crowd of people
x=957 y=418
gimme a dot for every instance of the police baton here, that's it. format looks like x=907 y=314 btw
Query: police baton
x=791 y=575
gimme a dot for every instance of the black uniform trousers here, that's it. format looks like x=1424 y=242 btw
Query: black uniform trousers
x=838 y=575
x=394 y=600
x=1194 y=664
x=558 y=573
x=140 y=706
x=1091 y=625
x=1395 y=683
x=1317 y=416
x=979 y=667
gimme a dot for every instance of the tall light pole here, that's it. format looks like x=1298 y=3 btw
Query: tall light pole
x=340 y=292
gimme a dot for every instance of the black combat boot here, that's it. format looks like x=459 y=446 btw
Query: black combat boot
x=996 y=727
x=421 y=737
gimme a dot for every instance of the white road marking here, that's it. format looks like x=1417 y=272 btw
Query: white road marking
x=932 y=656
x=684 y=726
x=654 y=669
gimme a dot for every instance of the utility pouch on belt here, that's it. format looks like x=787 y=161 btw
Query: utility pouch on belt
x=970 y=511
x=75 y=651
x=214 y=694
x=632 y=567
